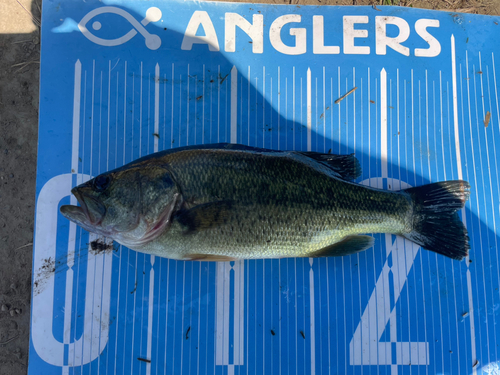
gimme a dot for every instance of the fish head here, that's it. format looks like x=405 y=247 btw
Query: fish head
x=131 y=206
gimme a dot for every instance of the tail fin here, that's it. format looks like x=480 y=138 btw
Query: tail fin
x=436 y=224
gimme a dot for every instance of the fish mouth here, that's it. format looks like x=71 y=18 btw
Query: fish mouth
x=82 y=215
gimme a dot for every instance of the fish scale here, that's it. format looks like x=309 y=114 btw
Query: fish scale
x=284 y=197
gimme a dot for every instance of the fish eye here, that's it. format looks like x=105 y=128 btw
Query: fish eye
x=101 y=182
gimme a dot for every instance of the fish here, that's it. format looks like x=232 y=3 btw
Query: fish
x=224 y=202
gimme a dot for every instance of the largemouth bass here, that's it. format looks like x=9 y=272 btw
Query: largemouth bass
x=224 y=202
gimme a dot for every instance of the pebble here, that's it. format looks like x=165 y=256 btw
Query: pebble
x=5 y=307
x=12 y=312
x=18 y=311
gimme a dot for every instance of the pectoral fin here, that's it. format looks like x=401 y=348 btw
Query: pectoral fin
x=349 y=245
x=205 y=216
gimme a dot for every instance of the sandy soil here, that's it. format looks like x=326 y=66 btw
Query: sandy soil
x=19 y=84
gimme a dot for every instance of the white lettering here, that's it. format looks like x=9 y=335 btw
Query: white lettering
x=383 y=41
x=434 y=45
x=300 y=46
x=198 y=18
x=296 y=37
x=319 y=39
x=350 y=33
x=255 y=31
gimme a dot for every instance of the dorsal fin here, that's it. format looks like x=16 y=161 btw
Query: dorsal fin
x=346 y=166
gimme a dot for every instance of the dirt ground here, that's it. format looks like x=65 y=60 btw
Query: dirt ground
x=19 y=84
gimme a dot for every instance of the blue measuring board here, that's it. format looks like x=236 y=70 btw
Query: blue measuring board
x=123 y=79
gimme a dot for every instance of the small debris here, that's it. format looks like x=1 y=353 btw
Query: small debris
x=144 y=360
x=156 y=135
x=475 y=364
x=222 y=79
x=100 y=245
x=487 y=119
x=9 y=340
x=303 y=334
x=371 y=101
x=199 y=97
x=465 y=314
x=12 y=312
x=18 y=311
x=345 y=95
x=273 y=333
x=135 y=288
x=23 y=65
x=375 y=7
x=187 y=332
x=22 y=247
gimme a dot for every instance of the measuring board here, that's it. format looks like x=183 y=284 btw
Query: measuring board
x=123 y=79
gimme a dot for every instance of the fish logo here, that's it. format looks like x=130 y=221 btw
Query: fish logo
x=153 y=14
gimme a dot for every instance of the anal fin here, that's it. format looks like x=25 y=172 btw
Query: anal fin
x=209 y=258
x=349 y=245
